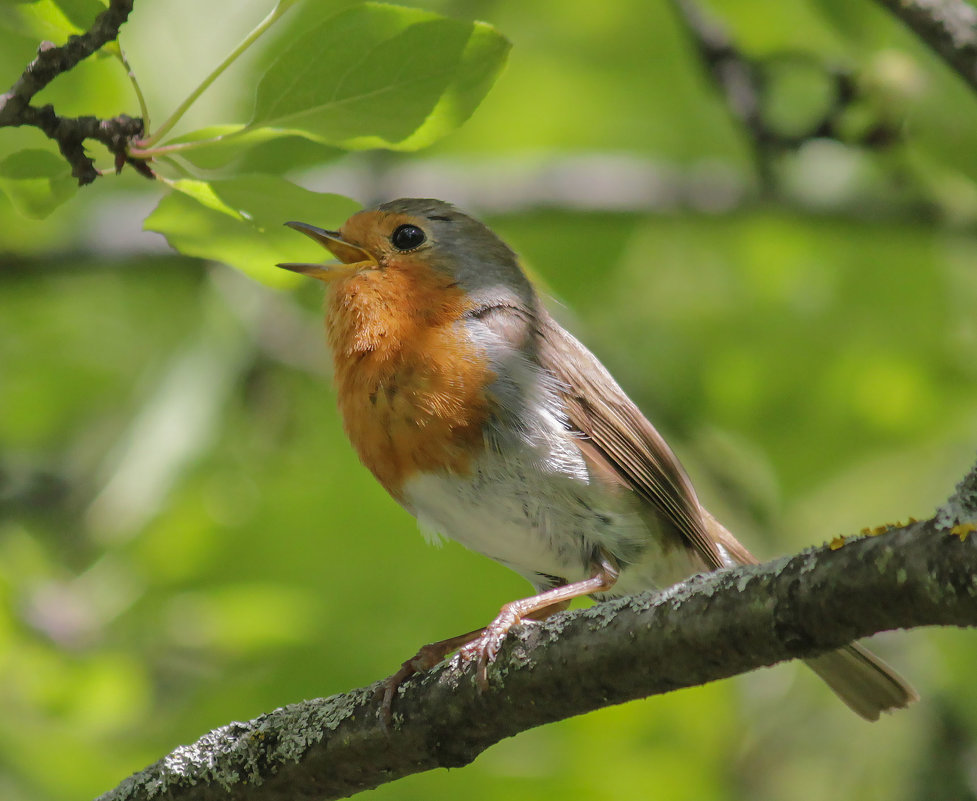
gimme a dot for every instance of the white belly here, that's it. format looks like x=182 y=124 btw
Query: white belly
x=542 y=522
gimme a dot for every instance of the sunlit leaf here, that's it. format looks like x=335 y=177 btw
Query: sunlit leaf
x=240 y=222
x=203 y=192
x=373 y=76
x=379 y=75
x=36 y=181
x=47 y=19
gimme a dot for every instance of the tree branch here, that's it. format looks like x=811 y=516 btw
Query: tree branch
x=947 y=26
x=742 y=82
x=71 y=132
x=710 y=627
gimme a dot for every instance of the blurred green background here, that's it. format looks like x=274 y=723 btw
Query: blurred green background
x=186 y=537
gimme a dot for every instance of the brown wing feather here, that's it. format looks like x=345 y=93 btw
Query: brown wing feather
x=621 y=444
x=600 y=410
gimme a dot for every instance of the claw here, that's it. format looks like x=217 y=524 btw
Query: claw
x=485 y=649
x=426 y=657
x=482 y=645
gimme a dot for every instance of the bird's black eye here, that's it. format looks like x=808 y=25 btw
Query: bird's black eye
x=407 y=237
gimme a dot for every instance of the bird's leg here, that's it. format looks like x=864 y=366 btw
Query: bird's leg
x=484 y=646
x=426 y=658
x=429 y=655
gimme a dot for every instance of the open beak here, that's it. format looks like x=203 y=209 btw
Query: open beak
x=350 y=256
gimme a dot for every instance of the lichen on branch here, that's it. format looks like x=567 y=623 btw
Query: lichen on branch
x=70 y=133
x=709 y=627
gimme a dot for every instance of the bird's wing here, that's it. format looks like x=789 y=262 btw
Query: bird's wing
x=619 y=438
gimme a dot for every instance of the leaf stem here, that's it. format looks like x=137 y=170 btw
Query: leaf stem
x=280 y=8
x=148 y=152
x=140 y=97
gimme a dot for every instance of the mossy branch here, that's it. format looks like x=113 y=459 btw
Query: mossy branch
x=710 y=627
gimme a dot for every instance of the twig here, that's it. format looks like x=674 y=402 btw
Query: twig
x=736 y=76
x=71 y=132
x=947 y=26
x=742 y=82
x=707 y=628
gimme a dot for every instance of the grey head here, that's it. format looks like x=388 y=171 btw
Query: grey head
x=482 y=264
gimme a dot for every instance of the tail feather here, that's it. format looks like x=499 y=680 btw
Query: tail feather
x=863 y=681
x=857 y=676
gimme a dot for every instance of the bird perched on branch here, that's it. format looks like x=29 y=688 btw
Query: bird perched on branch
x=494 y=426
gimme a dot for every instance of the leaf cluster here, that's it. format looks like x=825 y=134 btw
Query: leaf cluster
x=371 y=76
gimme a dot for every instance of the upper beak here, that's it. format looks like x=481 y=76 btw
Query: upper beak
x=351 y=256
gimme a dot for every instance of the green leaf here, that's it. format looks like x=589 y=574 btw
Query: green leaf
x=81 y=13
x=54 y=20
x=271 y=150
x=240 y=222
x=284 y=153
x=36 y=181
x=380 y=76
x=203 y=192
x=217 y=145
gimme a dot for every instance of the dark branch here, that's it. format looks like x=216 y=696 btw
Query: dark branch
x=707 y=628
x=736 y=76
x=742 y=82
x=71 y=132
x=52 y=61
x=947 y=26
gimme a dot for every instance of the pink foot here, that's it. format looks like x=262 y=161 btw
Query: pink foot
x=485 y=649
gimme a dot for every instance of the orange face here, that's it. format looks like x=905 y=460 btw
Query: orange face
x=411 y=384
x=372 y=232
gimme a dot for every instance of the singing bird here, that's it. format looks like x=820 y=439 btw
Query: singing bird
x=494 y=426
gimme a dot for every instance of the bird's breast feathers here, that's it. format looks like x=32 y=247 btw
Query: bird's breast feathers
x=411 y=385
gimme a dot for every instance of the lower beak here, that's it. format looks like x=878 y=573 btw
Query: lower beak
x=351 y=256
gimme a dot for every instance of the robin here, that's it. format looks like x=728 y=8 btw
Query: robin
x=494 y=426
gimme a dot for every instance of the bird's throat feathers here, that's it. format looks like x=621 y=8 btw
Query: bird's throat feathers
x=379 y=311
x=411 y=389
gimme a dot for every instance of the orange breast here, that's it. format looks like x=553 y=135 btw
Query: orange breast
x=411 y=388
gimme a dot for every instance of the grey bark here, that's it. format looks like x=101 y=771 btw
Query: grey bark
x=710 y=627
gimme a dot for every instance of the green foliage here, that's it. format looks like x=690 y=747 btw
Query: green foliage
x=379 y=75
x=239 y=221
x=55 y=20
x=372 y=76
x=187 y=538
x=36 y=181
